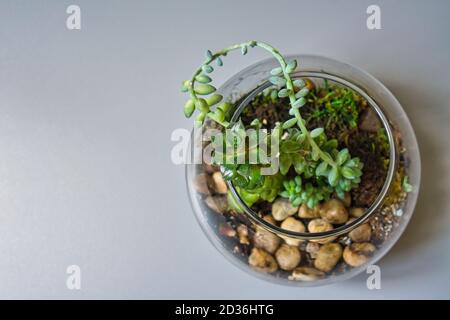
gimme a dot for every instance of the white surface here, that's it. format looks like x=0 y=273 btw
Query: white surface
x=85 y=124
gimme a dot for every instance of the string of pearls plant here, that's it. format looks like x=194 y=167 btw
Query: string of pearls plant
x=316 y=158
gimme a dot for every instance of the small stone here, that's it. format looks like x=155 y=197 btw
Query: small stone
x=328 y=256
x=220 y=185
x=306 y=274
x=266 y=240
x=357 y=212
x=217 y=203
x=358 y=254
x=398 y=213
x=295 y=225
x=370 y=121
x=288 y=257
x=209 y=168
x=320 y=225
x=333 y=211
x=262 y=261
x=305 y=212
x=242 y=231
x=362 y=233
x=282 y=208
x=347 y=199
x=269 y=218
x=226 y=230
x=312 y=248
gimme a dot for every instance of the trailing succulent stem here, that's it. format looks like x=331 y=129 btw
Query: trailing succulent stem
x=310 y=154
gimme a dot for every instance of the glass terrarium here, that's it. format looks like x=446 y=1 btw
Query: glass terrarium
x=336 y=236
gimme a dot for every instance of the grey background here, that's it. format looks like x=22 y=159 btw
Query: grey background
x=85 y=124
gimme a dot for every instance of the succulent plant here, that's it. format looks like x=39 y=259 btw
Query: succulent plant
x=313 y=157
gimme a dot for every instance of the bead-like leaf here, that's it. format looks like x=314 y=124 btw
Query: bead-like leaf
x=244 y=50
x=289 y=123
x=291 y=66
x=316 y=132
x=299 y=103
x=219 y=62
x=278 y=81
x=214 y=99
x=185 y=86
x=283 y=93
x=189 y=108
x=276 y=71
x=201 y=105
x=207 y=68
x=208 y=54
x=204 y=89
x=203 y=78
x=225 y=107
x=303 y=92
x=299 y=83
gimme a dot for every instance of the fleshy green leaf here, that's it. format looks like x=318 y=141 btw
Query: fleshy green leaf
x=203 y=78
x=283 y=93
x=207 y=68
x=322 y=168
x=316 y=132
x=291 y=66
x=189 y=108
x=204 y=89
x=299 y=83
x=202 y=105
x=285 y=164
x=289 y=123
x=348 y=173
x=214 y=99
x=278 y=81
x=276 y=71
x=333 y=177
x=302 y=93
x=299 y=103
x=342 y=156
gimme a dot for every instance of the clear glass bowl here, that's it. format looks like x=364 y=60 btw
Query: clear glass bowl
x=386 y=219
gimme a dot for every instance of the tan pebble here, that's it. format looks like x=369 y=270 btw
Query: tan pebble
x=305 y=212
x=334 y=212
x=217 y=203
x=262 y=261
x=220 y=185
x=266 y=240
x=306 y=274
x=295 y=225
x=282 y=208
x=357 y=212
x=358 y=254
x=362 y=233
x=320 y=225
x=328 y=256
x=288 y=257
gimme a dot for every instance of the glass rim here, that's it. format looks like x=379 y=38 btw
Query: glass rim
x=376 y=204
